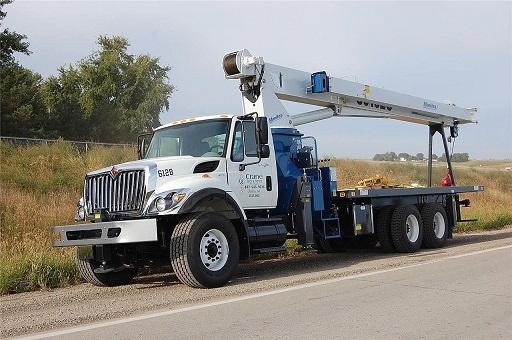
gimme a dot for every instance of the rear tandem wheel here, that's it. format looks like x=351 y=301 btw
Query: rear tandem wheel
x=435 y=225
x=406 y=228
x=383 y=229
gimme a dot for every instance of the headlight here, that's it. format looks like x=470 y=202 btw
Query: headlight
x=164 y=203
x=177 y=197
x=160 y=204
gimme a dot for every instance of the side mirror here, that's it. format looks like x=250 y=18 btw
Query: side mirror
x=142 y=146
x=264 y=151
x=262 y=129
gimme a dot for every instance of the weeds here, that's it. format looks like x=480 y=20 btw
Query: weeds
x=37 y=269
x=39 y=188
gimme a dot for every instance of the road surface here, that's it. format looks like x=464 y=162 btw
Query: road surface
x=461 y=291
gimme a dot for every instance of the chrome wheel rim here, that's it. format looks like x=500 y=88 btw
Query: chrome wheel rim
x=214 y=250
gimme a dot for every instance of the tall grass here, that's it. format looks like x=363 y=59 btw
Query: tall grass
x=40 y=185
x=39 y=188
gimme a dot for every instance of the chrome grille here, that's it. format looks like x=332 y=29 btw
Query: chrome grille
x=124 y=193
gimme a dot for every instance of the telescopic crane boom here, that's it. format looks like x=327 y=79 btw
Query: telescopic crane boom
x=262 y=84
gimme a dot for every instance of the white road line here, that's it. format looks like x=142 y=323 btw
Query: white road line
x=242 y=298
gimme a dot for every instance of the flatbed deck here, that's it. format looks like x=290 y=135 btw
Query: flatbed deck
x=363 y=192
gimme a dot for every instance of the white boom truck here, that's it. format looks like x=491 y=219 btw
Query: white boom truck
x=210 y=191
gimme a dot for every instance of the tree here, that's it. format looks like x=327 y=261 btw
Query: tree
x=460 y=157
x=61 y=97
x=19 y=87
x=19 y=101
x=119 y=95
x=405 y=156
x=456 y=157
x=420 y=156
x=388 y=156
x=10 y=42
x=110 y=96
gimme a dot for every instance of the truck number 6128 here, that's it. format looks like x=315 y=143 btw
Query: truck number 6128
x=165 y=172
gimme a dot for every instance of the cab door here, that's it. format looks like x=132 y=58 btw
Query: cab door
x=255 y=185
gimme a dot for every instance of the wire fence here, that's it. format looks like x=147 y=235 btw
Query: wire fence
x=82 y=146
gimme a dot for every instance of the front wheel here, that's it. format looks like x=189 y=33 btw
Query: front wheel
x=204 y=250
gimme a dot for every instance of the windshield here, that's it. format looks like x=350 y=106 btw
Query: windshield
x=199 y=139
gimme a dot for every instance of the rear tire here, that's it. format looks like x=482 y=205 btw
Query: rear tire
x=204 y=250
x=383 y=229
x=111 y=279
x=435 y=225
x=406 y=228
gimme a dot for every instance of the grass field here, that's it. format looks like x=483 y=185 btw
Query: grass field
x=489 y=163
x=40 y=186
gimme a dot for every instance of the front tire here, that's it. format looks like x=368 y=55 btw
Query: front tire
x=110 y=279
x=406 y=228
x=204 y=250
x=435 y=225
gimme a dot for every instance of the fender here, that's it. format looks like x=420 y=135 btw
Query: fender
x=204 y=194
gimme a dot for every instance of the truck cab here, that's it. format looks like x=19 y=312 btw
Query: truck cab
x=226 y=148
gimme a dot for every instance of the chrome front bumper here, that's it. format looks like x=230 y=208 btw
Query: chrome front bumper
x=114 y=232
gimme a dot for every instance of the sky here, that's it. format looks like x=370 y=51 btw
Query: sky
x=451 y=50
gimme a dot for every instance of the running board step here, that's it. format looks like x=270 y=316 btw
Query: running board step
x=269 y=250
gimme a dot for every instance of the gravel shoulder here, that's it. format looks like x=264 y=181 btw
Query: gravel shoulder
x=48 y=310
